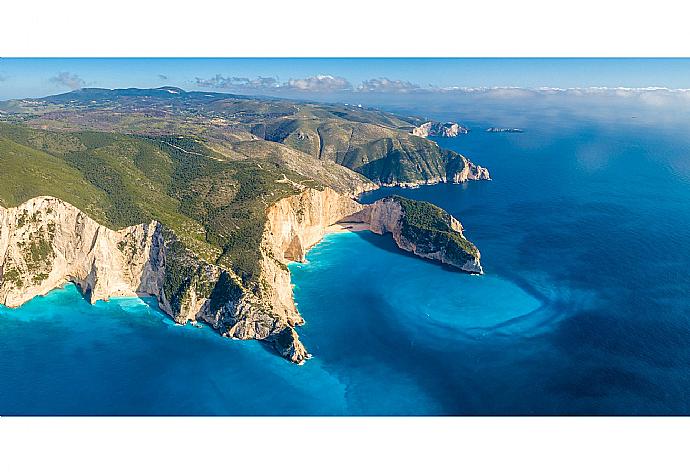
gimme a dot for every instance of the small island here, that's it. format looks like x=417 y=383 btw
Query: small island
x=504 y=130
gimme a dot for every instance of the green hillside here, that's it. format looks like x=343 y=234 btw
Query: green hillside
x=28 y=172
x=215 y=206
x=373 y=143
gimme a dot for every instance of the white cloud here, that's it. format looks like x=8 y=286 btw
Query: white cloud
x=69 y=80
x=656 y=96
x=222 y=82
x=319 y=83
x=383 y=84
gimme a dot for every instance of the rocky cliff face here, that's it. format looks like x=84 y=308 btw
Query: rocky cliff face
x=298 y=222
x=293 y=225
x=460 y=169
x=434 y=128
x=45 y=243
x=436 y=235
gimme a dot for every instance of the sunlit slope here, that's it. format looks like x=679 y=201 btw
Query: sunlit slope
x=373 y=143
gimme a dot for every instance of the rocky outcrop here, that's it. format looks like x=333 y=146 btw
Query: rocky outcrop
x=435 y=128
x=422 y=229
x=460 y=169
x=504 y=130
x=46 y=242
x=293 y=225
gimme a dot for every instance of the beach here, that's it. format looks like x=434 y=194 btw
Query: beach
x=347 y=227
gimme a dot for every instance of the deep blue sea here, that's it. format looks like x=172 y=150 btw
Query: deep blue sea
x=584 y=309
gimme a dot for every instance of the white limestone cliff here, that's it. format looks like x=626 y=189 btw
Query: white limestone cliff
x=45 y=243
x=434 y=128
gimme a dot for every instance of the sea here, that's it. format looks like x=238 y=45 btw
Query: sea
x=584 y=308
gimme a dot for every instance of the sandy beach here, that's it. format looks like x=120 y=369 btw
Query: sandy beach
x=347 y=227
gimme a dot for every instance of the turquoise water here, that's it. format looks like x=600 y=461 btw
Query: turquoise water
x=60 y=355
x=584 y=309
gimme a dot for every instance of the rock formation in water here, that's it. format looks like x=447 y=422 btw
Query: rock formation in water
x=422 y=229
x=462 y=169
x=435 y=128
x=504 y=130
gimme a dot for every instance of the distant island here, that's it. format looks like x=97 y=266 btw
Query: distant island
x=201 y=199
x=435 y=128
x=504 y=130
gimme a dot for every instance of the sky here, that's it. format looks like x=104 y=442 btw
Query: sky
x=23 y=78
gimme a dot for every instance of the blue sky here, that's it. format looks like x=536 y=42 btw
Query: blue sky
x=39 y=77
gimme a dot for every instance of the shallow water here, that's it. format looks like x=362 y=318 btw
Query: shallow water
x=584 y=233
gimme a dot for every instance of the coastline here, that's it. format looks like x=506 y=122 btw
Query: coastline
x=125 y=289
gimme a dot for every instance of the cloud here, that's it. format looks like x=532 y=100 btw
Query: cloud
x=66 y=79
x=654 y=96
x=222 y=82
x=319 y=83
x=322 y=83
x=509 y=93
x=383 y=84
x=162 y=77
x=325 y=83
x=575 y=91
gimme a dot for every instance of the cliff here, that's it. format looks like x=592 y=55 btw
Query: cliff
x=422 y=229
x=434 y=128
x=293 y=225
x=460 y=169
x=45 y=243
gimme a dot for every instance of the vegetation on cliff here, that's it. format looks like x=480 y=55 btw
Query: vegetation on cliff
x=429 y=225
